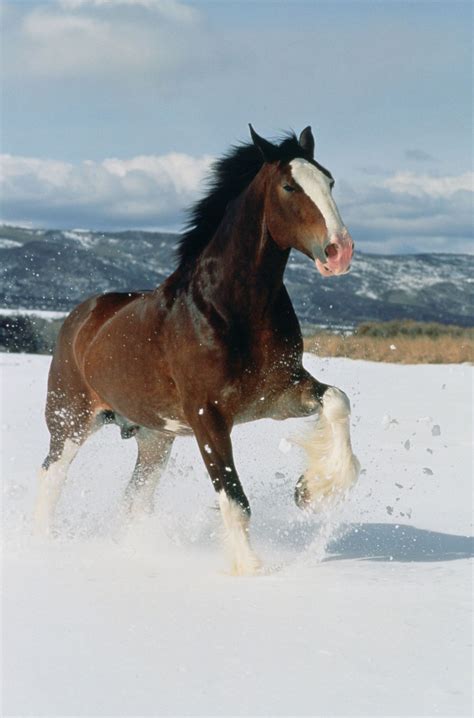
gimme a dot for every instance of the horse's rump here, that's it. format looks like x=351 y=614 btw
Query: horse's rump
x=67 y=380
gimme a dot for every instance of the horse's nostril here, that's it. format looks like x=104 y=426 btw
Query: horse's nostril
x=331 y=250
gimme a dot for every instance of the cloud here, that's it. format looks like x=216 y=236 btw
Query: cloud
x=430 y=186
x=118 y=39
x=402 y=213
x=411 y=213
x=372 y=170
x=18 y=168
x=144 y=191
x=419 y=156
x=171 y=9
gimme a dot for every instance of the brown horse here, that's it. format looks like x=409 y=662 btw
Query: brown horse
x=218 y=343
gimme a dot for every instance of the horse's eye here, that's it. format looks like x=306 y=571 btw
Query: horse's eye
x=288 y=188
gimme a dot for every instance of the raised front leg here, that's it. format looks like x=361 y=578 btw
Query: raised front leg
x=213 y=437
x=332 y=467
x=302 y=397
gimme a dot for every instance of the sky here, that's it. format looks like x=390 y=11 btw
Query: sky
x=113 y=110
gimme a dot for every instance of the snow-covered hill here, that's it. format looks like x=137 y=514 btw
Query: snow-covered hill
x=56 y=269
x=366 y=612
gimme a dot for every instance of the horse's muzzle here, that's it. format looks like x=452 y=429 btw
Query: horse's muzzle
x=337 y=257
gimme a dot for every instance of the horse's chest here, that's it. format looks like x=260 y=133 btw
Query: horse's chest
x=264 y=377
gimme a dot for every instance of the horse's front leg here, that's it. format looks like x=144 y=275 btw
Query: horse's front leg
x=213 y=437
x=332 y=467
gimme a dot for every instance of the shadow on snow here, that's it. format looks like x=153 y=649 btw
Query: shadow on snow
x=398 y=542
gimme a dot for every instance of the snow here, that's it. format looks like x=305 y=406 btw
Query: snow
x=109 y=621
x=40 y=313
x=86 y=239
x=9 y=243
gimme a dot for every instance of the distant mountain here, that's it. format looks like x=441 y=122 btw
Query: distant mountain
x=54 y=270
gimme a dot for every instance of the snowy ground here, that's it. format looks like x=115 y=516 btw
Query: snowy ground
x=101 y=622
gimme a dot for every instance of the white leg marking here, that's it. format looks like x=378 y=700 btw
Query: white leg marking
x=51 y=481
x=150 y=466
x=139 y=495
x=236 y=525
x=332 y=469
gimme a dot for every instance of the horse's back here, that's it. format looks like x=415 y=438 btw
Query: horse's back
x=85 y=320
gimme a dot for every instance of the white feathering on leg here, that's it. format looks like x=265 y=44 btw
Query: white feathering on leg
x=236 y=524
x=51 y=481
x=332 y=469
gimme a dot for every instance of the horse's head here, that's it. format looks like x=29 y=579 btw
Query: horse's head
x=300 y=211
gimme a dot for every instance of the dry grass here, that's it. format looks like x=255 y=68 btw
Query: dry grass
x=401 y=342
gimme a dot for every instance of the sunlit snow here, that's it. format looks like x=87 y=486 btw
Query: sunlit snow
x=363 y=612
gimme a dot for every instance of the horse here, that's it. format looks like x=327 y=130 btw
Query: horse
x=218 y=343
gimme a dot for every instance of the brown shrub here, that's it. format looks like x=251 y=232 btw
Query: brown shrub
x=401 y=342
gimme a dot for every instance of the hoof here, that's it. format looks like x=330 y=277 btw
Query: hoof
x=128 y=431
x=41 y=530
x=302 y=495
x=249 y=566
x=42 y=524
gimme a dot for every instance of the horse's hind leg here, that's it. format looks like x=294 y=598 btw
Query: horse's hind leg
x=70 y=422
x=154 y=448
x=52 y=477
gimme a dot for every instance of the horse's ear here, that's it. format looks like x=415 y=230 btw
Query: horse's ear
x=268 y=151
x=306 y=141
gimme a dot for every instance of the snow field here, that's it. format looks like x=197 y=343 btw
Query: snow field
x=363 y=612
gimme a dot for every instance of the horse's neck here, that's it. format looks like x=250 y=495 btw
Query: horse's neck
x=248 y=266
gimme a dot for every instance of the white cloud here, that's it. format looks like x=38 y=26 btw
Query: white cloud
x=41 y=25
x=49 y=171
x=171 y=9
x=411 y=212
x=418 y=185
x=94 y=38
x=149 y=191
x=59 y=45
x=142 y=191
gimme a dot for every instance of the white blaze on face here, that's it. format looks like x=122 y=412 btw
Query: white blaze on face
x=316 y=185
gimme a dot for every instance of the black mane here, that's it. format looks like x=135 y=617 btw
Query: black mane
x=231 y=174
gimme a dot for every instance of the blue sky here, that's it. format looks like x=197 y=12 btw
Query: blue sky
x=112 y=110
